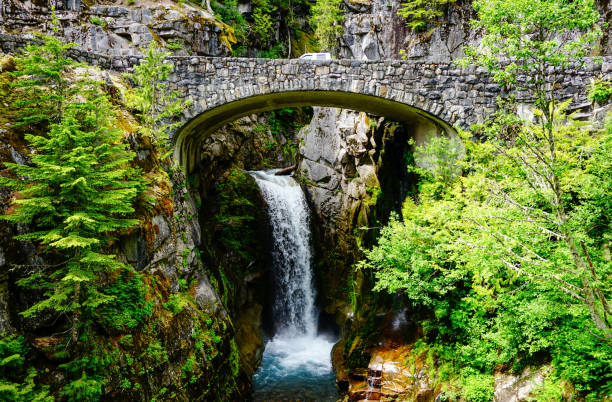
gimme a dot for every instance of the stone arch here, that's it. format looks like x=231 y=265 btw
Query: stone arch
x=445 y=95
x=423 y=121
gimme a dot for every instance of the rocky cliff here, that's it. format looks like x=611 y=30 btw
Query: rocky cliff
x=175 y=339
x=121 y=29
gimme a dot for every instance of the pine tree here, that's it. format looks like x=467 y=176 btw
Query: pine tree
x=420 y=13
x=77 y=193
x=152 y=98
x=43 y=79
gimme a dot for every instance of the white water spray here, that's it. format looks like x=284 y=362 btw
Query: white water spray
x=296 y=362
x=294 y=309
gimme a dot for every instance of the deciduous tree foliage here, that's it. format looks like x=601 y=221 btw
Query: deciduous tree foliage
x=484 y=255
x=529 y=37
x=511 y=257
x=326 y=17
x=523 y=38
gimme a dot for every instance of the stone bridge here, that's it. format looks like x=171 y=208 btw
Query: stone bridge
x=428 y=97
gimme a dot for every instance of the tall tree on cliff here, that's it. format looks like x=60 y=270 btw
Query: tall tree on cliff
x=326 y=18
x=79 y=188
x=151 y=97
x=524 y=40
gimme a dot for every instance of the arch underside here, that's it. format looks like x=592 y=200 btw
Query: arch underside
x=188 y=138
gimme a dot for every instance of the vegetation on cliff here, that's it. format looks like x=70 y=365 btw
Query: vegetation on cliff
x=101 y=329
x=504 y=254
x=326 y=18
x=419 y=14
x=270 y=28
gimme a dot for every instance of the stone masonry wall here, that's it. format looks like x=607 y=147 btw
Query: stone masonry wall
x=458 y=96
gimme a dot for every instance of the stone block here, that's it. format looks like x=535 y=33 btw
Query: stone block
x=322 y=70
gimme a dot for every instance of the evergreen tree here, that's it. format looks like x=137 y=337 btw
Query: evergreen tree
x=419 y=13
x=43 y=79
x=151 y=97
x=75 y=195
x=263 y=21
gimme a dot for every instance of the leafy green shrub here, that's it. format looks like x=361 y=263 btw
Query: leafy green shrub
x=16 y=382
x=174 y=304
x=275 y=52
x=85 y=389
x=127 y=341
x=600 y=91
x=582 y=358
x=86 y=371
x=129 y=308
x=175 y=44
x=98 y=21
x=476 y=387
x=440 y=157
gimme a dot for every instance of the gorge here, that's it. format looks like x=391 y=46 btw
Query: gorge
x=443 y=234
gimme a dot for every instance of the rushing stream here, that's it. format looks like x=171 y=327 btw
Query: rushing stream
x=296 y=363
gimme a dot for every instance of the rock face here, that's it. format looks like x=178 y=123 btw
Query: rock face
x=388 y=377
x=396 y=373
x=374 y=31
x=518 y=387
x=122 y=30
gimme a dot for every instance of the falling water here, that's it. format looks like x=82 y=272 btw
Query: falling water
x=296 y=363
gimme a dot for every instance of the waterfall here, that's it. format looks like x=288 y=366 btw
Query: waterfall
x=293 y=308
x=296 y=362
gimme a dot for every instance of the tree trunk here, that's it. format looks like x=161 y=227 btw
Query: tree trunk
x=77 y=314
x=208 y=7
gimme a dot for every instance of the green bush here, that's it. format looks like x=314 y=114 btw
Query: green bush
x=98 y=21
x=129 y=308
x=17 y=383
x=420 y=13
x=582 y=358
x=477 y=387
x=275 y=52
x=175 y=44
x=600 y=91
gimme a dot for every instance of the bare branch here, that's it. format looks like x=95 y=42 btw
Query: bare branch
x=529 y=274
